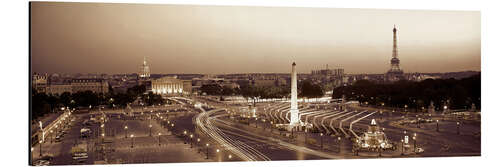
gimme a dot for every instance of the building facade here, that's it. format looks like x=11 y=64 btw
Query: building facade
x=40 y=82
x=170 y=86
x=94 y=85
x=58 y=89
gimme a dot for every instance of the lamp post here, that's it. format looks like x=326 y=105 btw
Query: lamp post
x=51 y=136
x=256 y=121
x=272 y=127
x=458 y=128
x=198 y=144
x=402 y=147
x=132 y=142
x=159 y=136
x=172 y=130
x=191 y=140
x=321 y=139
x=415 y=142
x=40 y=141
x=418 y=122
x=126 y=131
x=150 y=126
x=264 y=124
x=102 y=134
x=217 y=153
x=340 y=144
x=185 y=135
x=437 y=125
x=207 y=149
x=356 y=149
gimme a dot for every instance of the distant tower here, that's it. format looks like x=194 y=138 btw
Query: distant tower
x=394 y=73
x=144 y=73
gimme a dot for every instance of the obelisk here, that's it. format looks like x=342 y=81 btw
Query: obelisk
x=294 y=111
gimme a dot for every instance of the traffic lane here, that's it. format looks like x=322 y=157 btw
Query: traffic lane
x=269 y=148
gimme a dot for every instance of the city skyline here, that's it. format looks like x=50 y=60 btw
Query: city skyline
x=176 y=39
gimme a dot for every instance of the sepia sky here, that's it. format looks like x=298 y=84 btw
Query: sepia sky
x=114 y=38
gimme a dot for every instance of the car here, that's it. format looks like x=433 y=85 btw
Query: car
x=419 y=150
x=81 y=155
x=58 y=138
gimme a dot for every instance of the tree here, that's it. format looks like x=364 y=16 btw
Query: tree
x=211 y=89
x=456 y=93
x=65 y=98
x=310 y=90
x=227 y=91
x=152 y=99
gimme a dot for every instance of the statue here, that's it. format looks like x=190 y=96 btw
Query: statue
x=431 y=108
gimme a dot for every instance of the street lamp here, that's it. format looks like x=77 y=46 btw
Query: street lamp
x=191 y=140
x=418 y=121
x=57 y=128
x=272 y=124
x=102 y=134
x=185 y=135
x=132 y=138
x=40 y=141
x=159 y=136
x=150 y=126
x=339 y=139
x=264 y=124
x=402 y=147
x=437 y=125
x=207 y=149
x=415 y=142
x=198 y=144
x=321 y=139
x=51 y=136
x=256 y=122
x=126 y=131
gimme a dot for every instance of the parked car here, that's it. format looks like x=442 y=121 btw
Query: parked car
x=59 y=138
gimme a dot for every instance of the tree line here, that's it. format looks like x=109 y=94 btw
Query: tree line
x=43 y=103
x=455 y=94
x=305 y=88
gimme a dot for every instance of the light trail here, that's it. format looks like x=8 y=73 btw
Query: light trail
x=242 y=150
